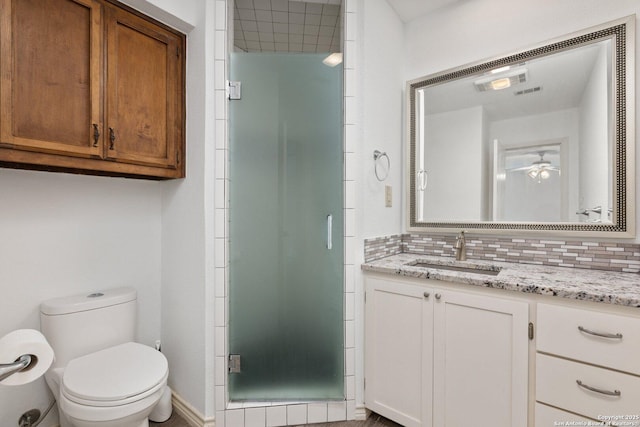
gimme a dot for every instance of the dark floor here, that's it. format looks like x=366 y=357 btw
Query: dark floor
x=373 y=421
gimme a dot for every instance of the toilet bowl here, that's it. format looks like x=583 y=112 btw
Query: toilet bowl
x=115 y=387
x=100 y=377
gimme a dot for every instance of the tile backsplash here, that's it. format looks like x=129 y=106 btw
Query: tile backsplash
x=624 y=257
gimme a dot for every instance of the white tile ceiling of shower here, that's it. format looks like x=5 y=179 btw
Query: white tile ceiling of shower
x=287 y=26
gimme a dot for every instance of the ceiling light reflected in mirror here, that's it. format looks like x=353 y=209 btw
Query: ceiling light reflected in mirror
x=501 y=78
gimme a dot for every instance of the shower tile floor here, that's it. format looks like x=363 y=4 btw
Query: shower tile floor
x=374 y=420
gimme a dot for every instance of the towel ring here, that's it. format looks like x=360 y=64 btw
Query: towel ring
x=377 y=154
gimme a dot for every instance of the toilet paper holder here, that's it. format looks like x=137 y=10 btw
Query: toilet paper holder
x=8 y=369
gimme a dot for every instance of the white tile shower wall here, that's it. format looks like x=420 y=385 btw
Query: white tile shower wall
x=623 y=257
x=267 y=414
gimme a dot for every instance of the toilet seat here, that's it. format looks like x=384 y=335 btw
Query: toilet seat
x=115 y=376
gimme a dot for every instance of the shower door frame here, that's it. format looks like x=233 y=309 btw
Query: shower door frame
x=233 y=414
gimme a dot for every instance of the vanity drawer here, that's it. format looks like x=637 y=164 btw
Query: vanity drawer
x=548 y=416
x=556 y=384
x=571 y=333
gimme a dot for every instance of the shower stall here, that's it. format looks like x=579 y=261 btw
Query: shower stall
x=286 y=320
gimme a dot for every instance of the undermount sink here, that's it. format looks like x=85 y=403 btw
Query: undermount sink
x=488 y=270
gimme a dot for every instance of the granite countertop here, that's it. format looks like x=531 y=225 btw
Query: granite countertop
x=574 y=283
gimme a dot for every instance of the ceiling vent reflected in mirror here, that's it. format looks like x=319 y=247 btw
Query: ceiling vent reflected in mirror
x=528 y=91
x=287 y=26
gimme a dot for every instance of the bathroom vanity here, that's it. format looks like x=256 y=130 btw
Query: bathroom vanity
x=452 y=343
x=499 y=148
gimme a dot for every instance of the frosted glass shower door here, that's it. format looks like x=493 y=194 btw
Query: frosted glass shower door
x=286 y=246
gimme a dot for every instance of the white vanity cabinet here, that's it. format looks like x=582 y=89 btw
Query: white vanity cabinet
x=587 y=363
x=481 y=363
x=399 y=351
x=445 y=358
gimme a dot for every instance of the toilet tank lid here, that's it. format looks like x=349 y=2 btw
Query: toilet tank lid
x=88 y=301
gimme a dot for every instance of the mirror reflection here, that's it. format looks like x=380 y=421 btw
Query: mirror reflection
x=526 y=139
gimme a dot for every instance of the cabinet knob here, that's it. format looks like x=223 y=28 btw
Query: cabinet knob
x=427 y=294
x=438 y=296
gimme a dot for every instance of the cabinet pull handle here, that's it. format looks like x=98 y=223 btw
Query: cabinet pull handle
x=600 y=334
x=438 y=296
x=329 y=232
x=112 y=138
x=598 y=390
x=427 y=295
x=96 y=135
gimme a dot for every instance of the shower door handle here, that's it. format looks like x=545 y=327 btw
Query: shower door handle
x=329 y=231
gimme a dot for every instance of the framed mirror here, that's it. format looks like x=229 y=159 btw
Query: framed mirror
x=538 y=140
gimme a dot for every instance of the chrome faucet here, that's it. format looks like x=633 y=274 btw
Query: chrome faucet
x=461 y=247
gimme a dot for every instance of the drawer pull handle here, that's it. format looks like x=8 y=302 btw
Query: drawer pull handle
x=598 y=390
x=600 y=334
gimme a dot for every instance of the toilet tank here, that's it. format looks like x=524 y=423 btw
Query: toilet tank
x=85 y=323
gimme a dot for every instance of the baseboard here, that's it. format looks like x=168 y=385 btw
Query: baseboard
x=190 y=414
x=361 y=413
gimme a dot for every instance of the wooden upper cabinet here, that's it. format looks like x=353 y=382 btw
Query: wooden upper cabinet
x=51 y=75
x=91 y=87
x=142 y=91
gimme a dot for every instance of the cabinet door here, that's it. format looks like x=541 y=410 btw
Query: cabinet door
x=480 y=361
x=144 y=95
x=398 y=352
x=51 y=76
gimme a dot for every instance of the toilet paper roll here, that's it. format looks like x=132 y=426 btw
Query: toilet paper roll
x=30 y=342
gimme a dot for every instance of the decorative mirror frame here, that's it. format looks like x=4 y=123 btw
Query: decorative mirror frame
x=622 y=34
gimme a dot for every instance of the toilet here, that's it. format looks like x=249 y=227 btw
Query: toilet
x=100 y=377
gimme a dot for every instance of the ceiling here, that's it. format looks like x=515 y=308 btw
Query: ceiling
x=561 y=79
x=287 y=26
x=408 y=10
x=305 y=25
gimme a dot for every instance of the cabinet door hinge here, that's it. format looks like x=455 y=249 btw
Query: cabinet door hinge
x=365 y=383
x=365 y=297
x=530 y=330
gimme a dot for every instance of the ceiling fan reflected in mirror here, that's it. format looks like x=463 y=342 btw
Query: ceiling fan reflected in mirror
x=540 y=169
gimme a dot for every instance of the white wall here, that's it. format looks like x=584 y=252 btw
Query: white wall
x=62 y=234
x=595 y=181
x=471 y=31
x=382 y=127
x=380 y=103
x=455 y=165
